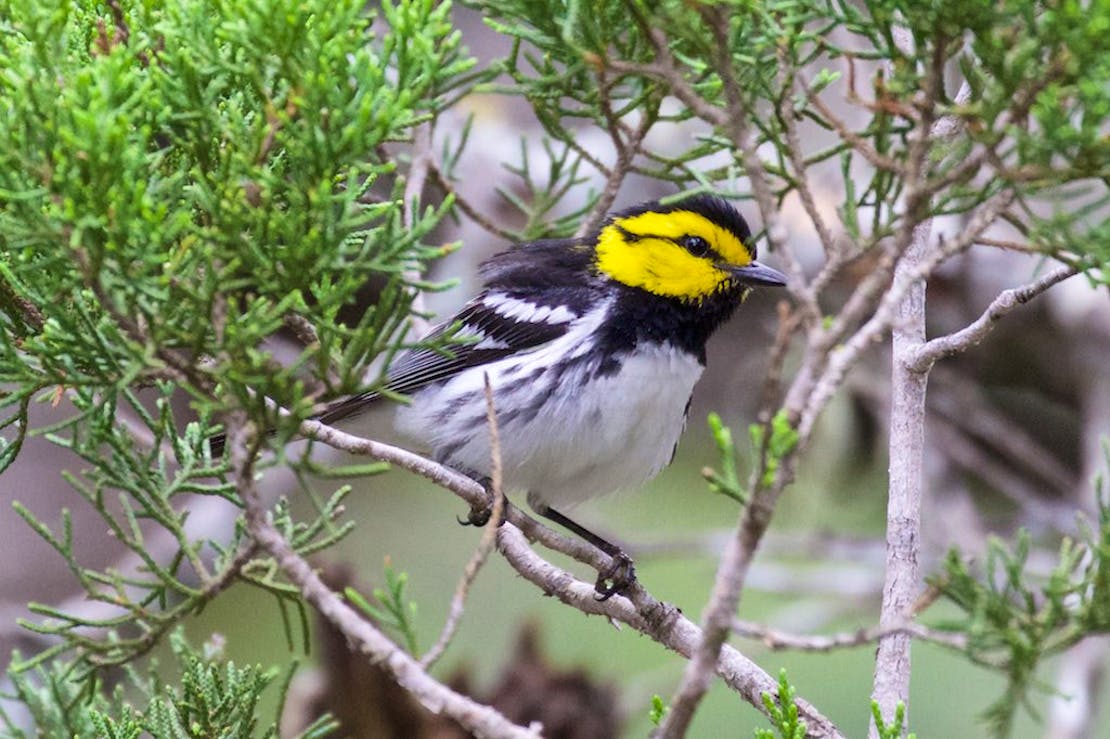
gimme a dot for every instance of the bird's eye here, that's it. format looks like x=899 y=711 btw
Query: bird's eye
x=696 y=245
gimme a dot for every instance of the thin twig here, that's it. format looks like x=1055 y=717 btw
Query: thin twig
x=672 y=77
x=858 y=143
x=468 y=209
x=469 y=490
x=435 y=696
x=775 y=639
x=176 y=360
x=789 y=321
x=740 y=130
x=923 y=358
x=485 y=545
x=1021 y=246
x=803 y=290
x=626 y=149
x=788 y=79
x=864 y=298
x=666 y=68
x=740 y=548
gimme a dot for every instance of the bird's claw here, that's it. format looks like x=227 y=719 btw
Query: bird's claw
x=478 y=516
x=616 y=578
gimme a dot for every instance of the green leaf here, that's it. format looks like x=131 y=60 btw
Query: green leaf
x=726 y=481
x=657 y=710
x=782 y=712
x=393 y=610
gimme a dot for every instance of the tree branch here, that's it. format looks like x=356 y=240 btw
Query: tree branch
x=848 y=353
x=775 y=639
x=857 y=142
x=637 y=608
x=468 y=209
x=739 y=549
x=923 y=358
x=905 y=488
x=740 y=130
x=626 y=149
x=406 y=671
x=795 y=150
x=660 y=621
x=906 y=439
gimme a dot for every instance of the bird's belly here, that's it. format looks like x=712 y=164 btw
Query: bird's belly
x=566 y=436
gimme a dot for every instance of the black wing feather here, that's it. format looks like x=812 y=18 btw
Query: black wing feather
x=553 y=273
x=417 y=368
x=504 y=336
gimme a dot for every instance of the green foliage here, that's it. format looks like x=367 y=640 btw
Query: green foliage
x=394 y=611
x=207 y=697
x=769 y=448
x=727 y=481
x=657 y=711
x=560 y=56
x=171 y=193
x=773 y=448
x=1039 y=77
x=783 y=712
x=538 y=209
x=212 y=699
x=895 y=729
x=1014 y=619
x=179 y=182
x=135 y=489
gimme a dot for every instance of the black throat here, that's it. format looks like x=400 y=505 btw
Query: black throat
x=638 y=317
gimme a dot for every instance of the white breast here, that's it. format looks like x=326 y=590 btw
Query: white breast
x=566 y=436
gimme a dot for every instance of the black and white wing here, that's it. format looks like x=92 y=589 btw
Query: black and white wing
x=531 y=299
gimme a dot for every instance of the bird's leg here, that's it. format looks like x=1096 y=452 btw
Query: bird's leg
x=617 y=577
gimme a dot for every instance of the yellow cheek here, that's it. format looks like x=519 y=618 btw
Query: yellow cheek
x=658 y=266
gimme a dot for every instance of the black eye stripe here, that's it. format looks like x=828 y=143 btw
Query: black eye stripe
x=628 y=235
x=697 y=245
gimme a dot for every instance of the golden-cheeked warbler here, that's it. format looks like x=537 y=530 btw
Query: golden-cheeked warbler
x=592 y=347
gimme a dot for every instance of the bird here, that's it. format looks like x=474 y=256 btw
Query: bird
x=592 y=347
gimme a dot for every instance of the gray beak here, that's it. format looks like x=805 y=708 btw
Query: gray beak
x=757 y=274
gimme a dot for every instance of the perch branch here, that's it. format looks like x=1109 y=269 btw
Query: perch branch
x=406 y=671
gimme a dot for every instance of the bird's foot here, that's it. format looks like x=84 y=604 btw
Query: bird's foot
x=616 y=578
x=478 y=516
